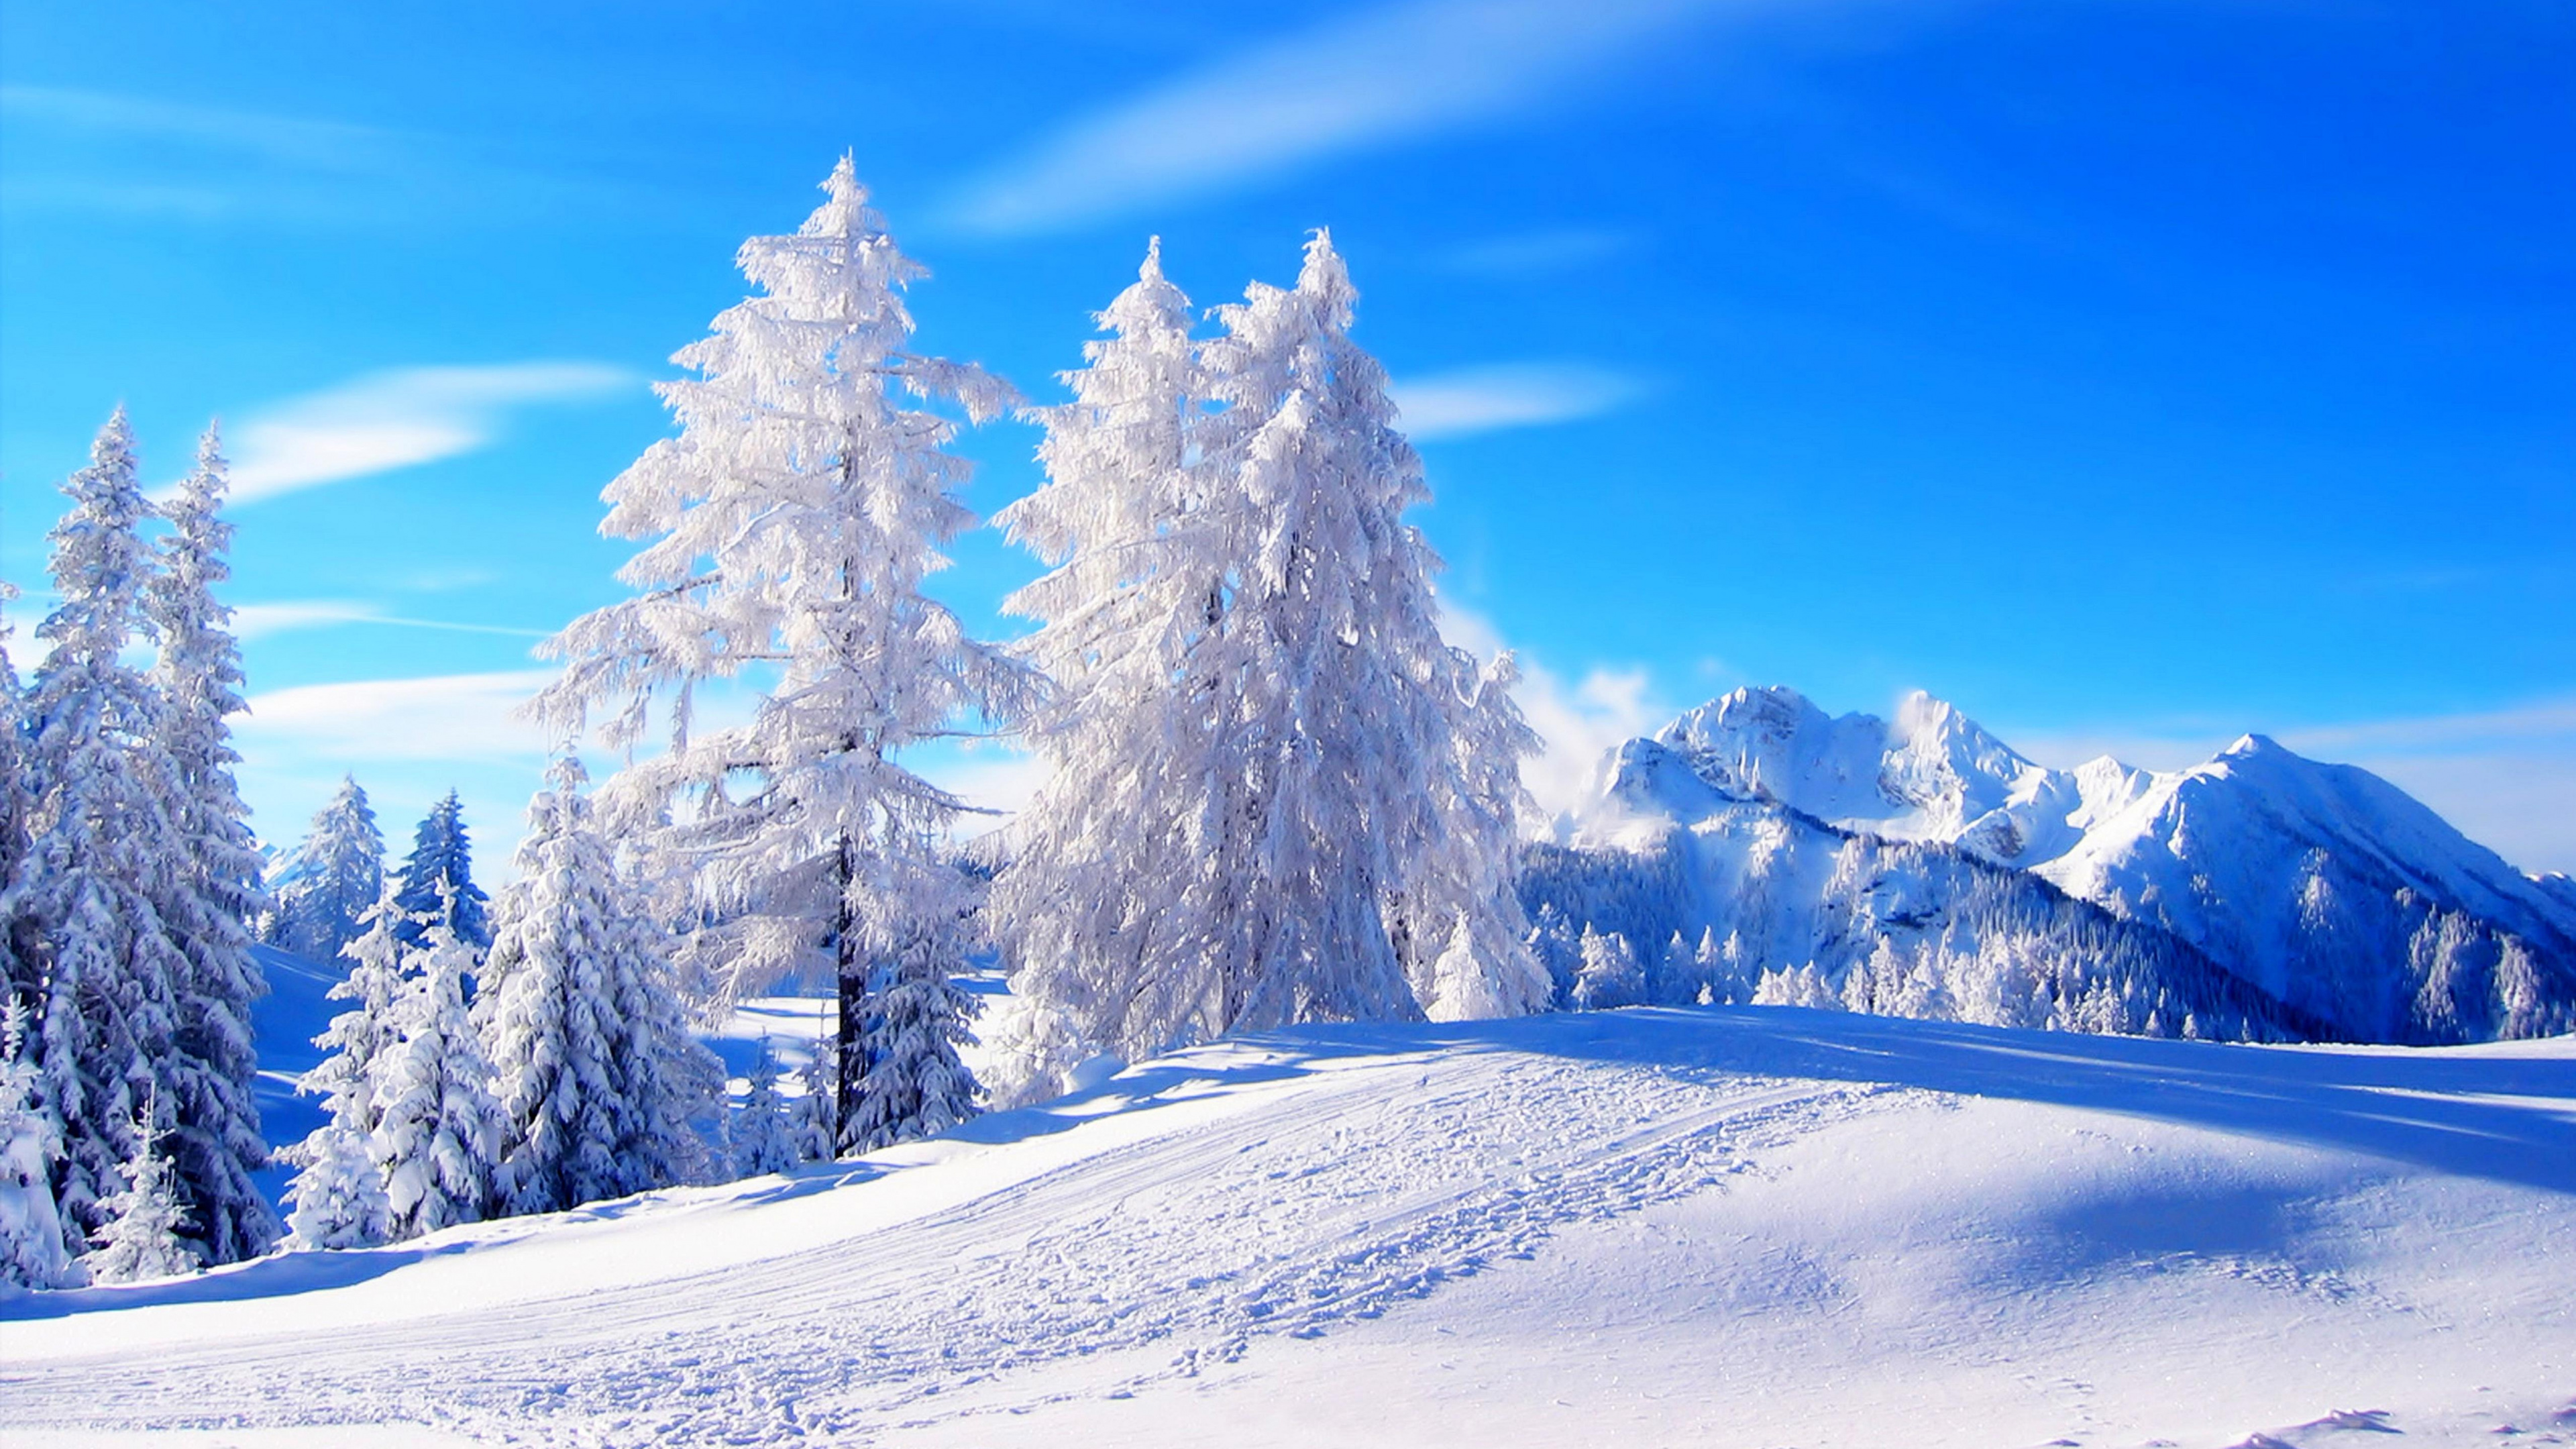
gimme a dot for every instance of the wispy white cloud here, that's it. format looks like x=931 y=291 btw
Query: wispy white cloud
x=1578 y=722
x=85 y=150
x=1508 y=395
x=1534 y=252
x=300 y=140
x=257 y=621
x=1392 y=74
x=2443 y=733
x=398 y=419
x=446 y=718
x=91 y=153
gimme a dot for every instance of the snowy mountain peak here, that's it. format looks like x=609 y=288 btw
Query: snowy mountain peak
x=1931 y=774
x=2321 y=884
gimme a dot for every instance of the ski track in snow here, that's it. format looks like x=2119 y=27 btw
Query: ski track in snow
x=1373 y=1181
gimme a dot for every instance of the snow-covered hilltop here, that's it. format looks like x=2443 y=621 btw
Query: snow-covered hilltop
x=1853 y=842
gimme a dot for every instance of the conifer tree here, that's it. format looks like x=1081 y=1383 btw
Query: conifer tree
x=441 y=868
x=598 y=1076
x=916 y=1086
x=437 y=1128
x=1278 y=793
x=326 y=887
x=1610 y=976
x=21 y=953
x=1109 y=906
x=140 y=1238
x=1559 y=949
x=32 y=1250
x=337 y=1199
x=101 y=865
x=766 y=1138
x=817 y=1113
x=357 y=1040
x=207 y=1079
x=795 y=517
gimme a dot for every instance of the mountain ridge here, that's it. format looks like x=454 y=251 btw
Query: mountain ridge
x=2323 y=886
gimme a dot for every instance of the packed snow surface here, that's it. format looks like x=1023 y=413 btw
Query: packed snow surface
x=1755 y=1226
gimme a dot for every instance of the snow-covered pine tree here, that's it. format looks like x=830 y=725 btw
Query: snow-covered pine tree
x=1558 y=948
x=21 y=953
x=337 y=1199
x=1610 y=977
x=31 y=1230
x=1277 y=792
x=1465 y=868
x=441 y=868
x=357 y=1040
x=598 y=1075
x=765 y=1137
x=438 y=1129
x=1736 y=969
x=796 y=516
x=817 y=1113
x=1109 y=907
x=215 y=1141
x=101 y=863
x=916 y=1086
x=1378 y=775
x=1708 y=962
x=141 y=1237
x=326 y=887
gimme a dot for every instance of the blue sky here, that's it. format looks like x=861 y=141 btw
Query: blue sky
x=2134 y=375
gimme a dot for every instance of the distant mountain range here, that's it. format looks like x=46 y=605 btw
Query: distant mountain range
x=1924 y=866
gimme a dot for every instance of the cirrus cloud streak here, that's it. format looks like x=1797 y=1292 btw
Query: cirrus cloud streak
x=399 y=419
x=1492 y=398
x=1393 y=74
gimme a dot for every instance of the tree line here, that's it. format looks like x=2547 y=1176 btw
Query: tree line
x=1275 y=793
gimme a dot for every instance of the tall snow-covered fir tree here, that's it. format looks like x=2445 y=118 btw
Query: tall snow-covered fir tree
x=438 y=1129
x=1110 y=906
x=337 y=1199
x=325 y=888
x=598 y=1074
x=439 y=869
x=32 y=1251
x=794 y=519
x=101 y=867
x=141 y=1238
x=215 y=1142
x=1278 y=794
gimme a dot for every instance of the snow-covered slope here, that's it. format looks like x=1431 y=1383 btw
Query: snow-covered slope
x=2323 y=885
x=1711 y=1227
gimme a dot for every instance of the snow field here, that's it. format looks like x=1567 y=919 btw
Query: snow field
x=1650 y=1227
